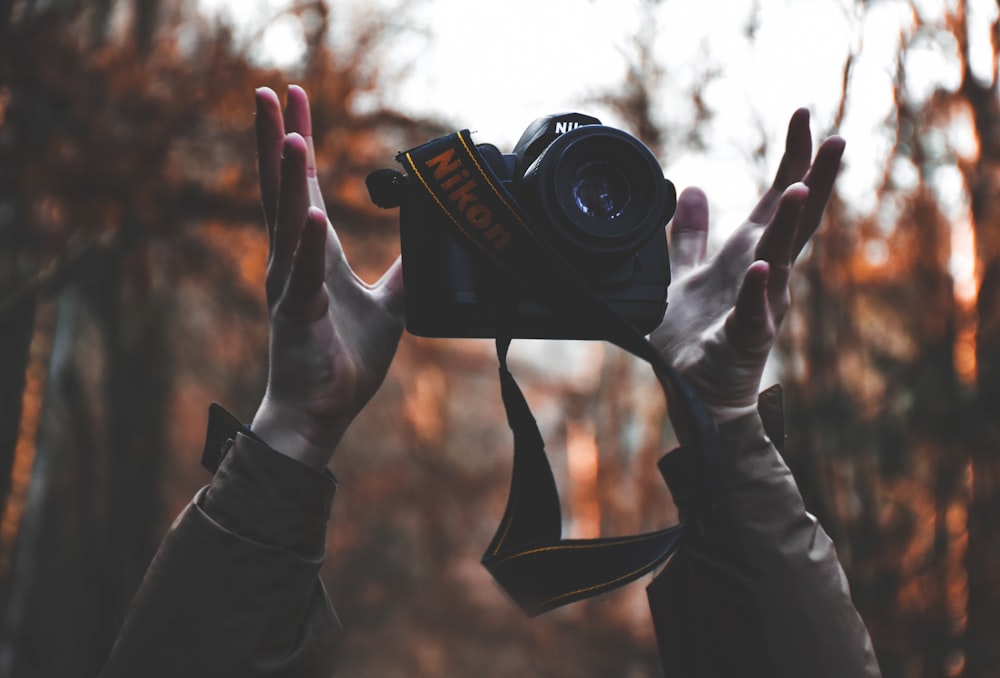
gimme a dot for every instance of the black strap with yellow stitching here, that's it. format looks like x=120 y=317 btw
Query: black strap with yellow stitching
x=528 y=556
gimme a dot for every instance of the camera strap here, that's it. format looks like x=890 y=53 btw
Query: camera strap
x=528 y=556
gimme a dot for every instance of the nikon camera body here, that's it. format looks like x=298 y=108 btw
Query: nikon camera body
x=596 y=197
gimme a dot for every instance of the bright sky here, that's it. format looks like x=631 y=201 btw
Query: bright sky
x=493 y=67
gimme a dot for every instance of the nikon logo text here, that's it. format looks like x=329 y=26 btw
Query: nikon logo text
x=566 y=126
x=456 y=183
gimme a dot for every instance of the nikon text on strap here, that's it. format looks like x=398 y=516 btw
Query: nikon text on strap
x=527 y=556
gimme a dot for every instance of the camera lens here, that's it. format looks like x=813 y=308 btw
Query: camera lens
x=600 y=190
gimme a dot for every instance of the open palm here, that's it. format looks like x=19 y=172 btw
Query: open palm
x=725 y=310
x=333 y=336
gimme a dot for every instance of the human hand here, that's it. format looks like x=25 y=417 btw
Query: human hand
x=332 y=335
x=724 y=312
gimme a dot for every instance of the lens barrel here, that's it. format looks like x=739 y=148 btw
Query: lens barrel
x=600 y=188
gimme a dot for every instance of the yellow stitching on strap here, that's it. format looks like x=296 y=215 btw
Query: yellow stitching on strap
x=572 y=547
x=416 y=172
x=587 y=589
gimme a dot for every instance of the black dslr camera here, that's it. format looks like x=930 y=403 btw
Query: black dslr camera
x=591 y=193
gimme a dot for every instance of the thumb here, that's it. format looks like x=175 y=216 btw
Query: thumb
x=390 y=287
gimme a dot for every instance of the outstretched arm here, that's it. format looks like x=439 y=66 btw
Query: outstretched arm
x=725 y=311
x=234 y=587
x=756 y=588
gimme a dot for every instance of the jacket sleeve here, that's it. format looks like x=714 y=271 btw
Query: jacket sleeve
x=234 y=588
x=756 y=588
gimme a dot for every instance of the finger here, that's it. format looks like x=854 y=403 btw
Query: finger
x=820 y=180
x=776 y=242
x=305 y=296
x=798 y=151
x=293 y=203
x=776 y=245
x=270 y=137
x=689 y=230
x=299 y=119
x=793 y=166
x=749 y=326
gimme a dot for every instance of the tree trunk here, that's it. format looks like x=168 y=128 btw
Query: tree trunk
x=16 y=327
x=983 y=552
x=89 y=529
x=23 y=646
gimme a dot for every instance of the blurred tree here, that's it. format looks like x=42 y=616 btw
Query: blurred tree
x=888 y=360
x=127 y=205
x=131 y=268
x=890 y=386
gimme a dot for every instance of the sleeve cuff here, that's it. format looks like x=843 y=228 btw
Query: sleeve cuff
x=265 y=496
x=694 y=482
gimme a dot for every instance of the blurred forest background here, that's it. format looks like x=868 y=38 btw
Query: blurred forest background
x=132 y=256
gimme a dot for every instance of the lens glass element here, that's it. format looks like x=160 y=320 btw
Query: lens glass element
x=600 y=189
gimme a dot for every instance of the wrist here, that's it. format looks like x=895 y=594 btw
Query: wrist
x=721 y=411
x=293 y=433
